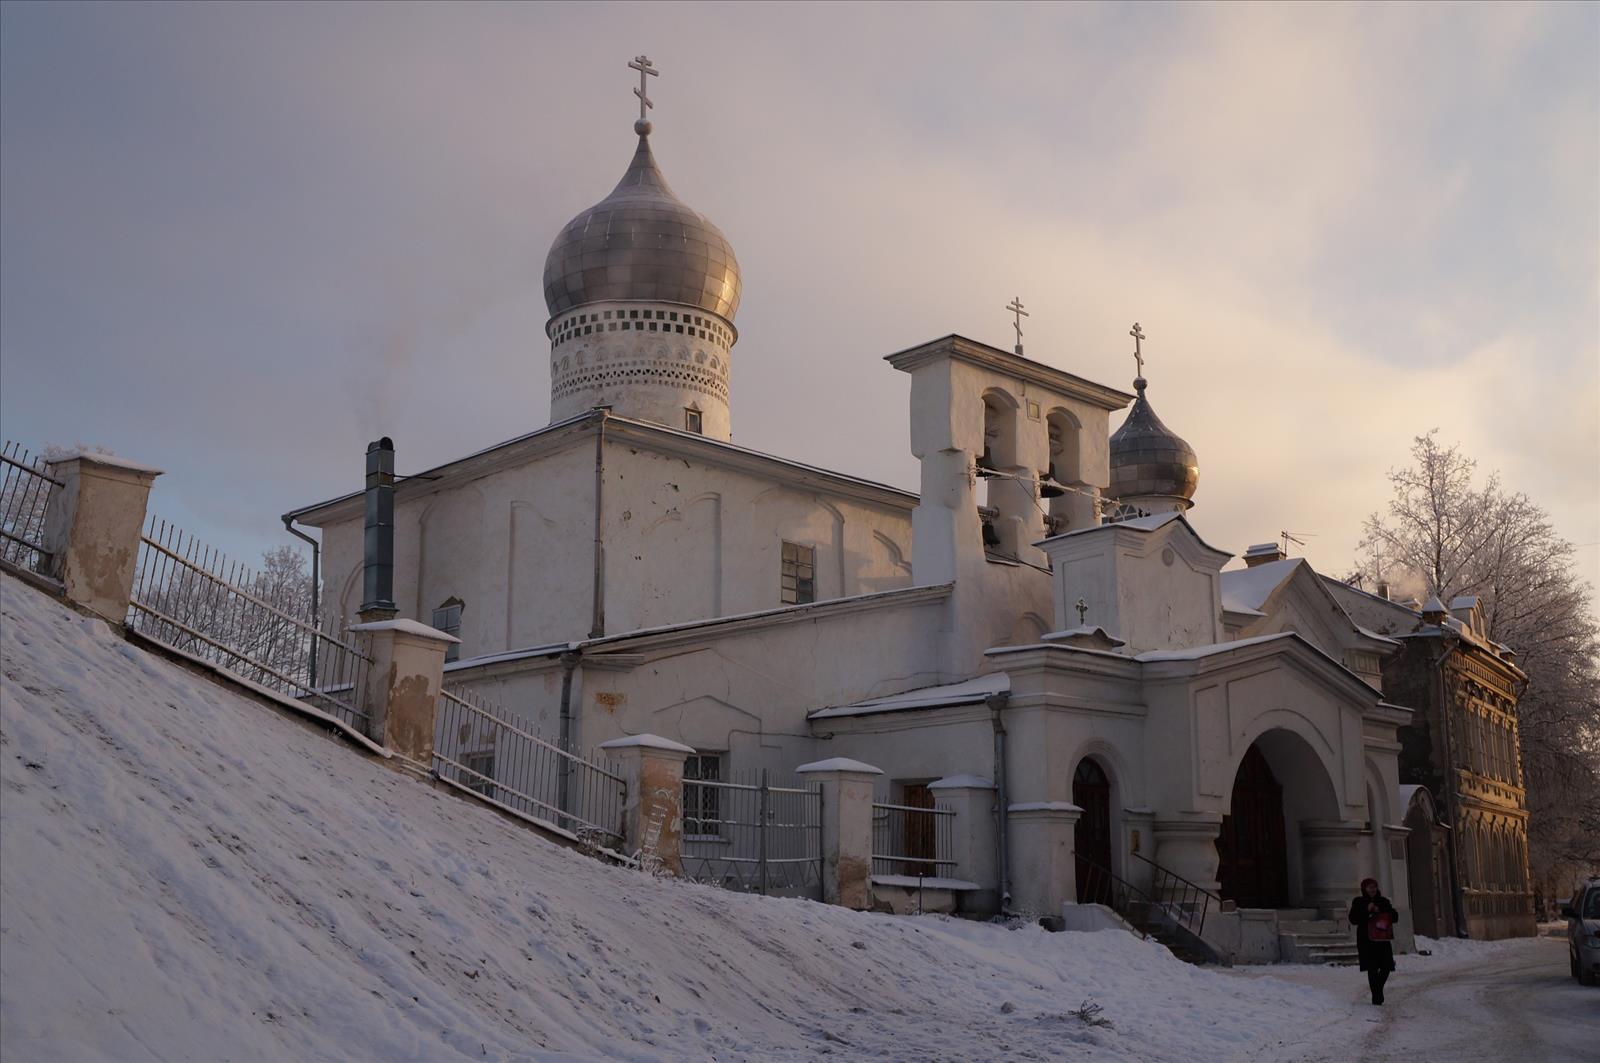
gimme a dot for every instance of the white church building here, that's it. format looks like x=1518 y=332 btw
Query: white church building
x=1041 y=621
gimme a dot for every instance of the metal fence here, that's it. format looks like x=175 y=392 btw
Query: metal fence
x=496 y=753
x=908 y=840
x=190 y=597
x=753 y=836
x=24 y=490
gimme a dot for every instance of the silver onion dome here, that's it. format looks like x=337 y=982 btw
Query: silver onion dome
x=642 y=243
x=1148 y=458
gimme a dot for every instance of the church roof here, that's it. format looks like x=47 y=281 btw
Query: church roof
x=642 y=243
x=645 y=434
x=967 y=692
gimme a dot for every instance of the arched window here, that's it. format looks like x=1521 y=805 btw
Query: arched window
x=447 y=618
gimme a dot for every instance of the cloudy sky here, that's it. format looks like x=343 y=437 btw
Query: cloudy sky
x=238 y=242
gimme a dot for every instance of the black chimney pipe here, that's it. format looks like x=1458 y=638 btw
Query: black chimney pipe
x=377 y=572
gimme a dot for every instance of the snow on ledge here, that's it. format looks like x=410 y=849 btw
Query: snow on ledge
x=53 y=457
x=837 y=764
x=1045 y=806
x=647 y=742
x=962 y=782
x=406 y=627
x=913 y=882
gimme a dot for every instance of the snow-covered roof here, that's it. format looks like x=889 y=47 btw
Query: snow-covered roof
x=967 y=692
x=1246 y=590
x=1199 y=653
x=406 y=627
x=837 y=764
x=1155 y=522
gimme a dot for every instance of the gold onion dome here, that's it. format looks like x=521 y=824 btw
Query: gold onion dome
x=1148 y=458
x=642 y=243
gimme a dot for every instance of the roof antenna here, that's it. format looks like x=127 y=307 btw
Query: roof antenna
x=1293 y=537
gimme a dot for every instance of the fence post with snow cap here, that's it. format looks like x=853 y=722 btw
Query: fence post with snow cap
x=401 y=693
x=971 y=798
x=92 y=523
x=652 y=816
x=846 y=829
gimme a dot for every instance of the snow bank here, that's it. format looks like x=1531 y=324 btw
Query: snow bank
x=188 y=875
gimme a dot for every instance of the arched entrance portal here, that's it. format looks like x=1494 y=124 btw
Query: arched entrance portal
x=1252 y=849
x=1091 y=791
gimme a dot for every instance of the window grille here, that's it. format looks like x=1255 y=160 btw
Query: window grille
x=702 y=812
x=799 y=574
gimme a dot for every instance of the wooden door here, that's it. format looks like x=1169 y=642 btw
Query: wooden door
x=1253 y=864
x=920 y=843
x=1091 y=839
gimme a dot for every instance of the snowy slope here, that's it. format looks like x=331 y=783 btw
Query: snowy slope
x=187 y=875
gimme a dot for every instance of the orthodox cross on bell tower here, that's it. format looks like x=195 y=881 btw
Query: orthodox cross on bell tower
x=641 y=63
x=1015 y=306
x=1138 y=349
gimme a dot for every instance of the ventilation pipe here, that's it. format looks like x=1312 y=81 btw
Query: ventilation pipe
x=377 y=570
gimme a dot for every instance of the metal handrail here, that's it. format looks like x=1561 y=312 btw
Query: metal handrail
x=1173 y=874
x=1110 y=882
x=1182 y=902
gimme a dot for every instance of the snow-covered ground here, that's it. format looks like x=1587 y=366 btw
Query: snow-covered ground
x=185 y=874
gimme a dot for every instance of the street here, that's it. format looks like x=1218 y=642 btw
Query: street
x=1512 y=1001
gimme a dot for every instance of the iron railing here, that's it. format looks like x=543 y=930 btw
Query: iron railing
x=914 y=841
x=24 y=492
x=1098 y=884
x=754 y=836
x=497 y=754
x=189 y=596
x=1185 y=903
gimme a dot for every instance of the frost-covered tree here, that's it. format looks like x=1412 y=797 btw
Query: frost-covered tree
x=1445 y=533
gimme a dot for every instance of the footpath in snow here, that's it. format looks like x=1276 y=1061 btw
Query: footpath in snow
x=187 y=875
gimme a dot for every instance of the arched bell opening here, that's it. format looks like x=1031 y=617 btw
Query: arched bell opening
x=1092 y=834
x=1282 y=807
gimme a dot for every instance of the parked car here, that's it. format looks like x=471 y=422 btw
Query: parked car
x=1583 y=932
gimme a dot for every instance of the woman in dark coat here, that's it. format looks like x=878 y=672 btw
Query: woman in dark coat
x=1377 y=957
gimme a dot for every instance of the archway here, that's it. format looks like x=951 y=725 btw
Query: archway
x=1252 y=847
x=1282 y=842
x=1091 y=842
x=1425 y=858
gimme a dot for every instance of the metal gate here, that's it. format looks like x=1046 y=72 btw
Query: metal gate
x=754 y=836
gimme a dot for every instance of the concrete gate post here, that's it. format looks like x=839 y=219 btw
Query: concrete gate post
x=846 y=829
x=971 y=798
x=91 y=529
x=652 y=813
x=1043 y=877
x=1331 y=858
x=401 y=693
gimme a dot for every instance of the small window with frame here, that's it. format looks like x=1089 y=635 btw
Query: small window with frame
x=479 y=776
x=693 y=421
x=798 y=579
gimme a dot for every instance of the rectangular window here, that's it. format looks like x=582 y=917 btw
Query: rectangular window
x=652 y=325
x=479 y=775
x=672 y=316
x=608 y=315
x=633 y=313
x=692 y=422
x=447 y=618
x=799 y=577
x=702 y=805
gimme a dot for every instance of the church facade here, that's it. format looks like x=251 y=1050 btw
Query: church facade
x=1041 y=621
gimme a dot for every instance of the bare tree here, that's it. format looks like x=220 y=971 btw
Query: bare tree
x=1444 y=534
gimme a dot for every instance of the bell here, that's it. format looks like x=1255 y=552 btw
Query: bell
x=990 y=536
x=985 y=463
x=1048 y=488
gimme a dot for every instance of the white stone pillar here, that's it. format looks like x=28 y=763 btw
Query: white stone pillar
x=1186 y=845
x=92 y=525
x=1041 y=855
x=971 y=798
x=652 y=817
x=401 y=693
x=846 y=829
x=1331 y=859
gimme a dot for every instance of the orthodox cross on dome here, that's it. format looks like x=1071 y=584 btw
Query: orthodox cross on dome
x=1138 y=348
x=1015 y=306
x=641 y=63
